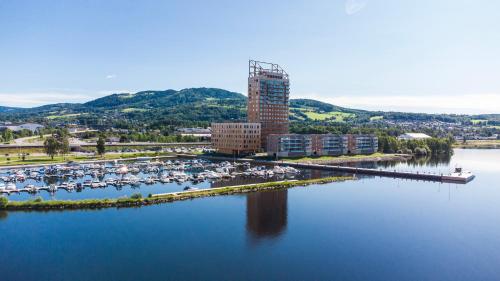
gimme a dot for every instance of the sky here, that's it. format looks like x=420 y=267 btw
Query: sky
x=434 y=56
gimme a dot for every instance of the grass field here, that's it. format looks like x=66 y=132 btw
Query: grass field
x=375 y=118
x=479 y=121
x=52 y=117
x=131 y=109
x=478 y=144
x=334 y=116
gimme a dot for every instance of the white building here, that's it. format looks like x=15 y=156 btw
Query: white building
x=27 y=126
x=413 y=136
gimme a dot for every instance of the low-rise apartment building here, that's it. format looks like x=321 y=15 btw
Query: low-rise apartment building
x=298 y=145
x=236 y=138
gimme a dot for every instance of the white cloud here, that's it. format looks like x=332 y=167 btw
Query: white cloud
x=354 y=6
x=465 y=104
x=38 y=98
x=111 y=76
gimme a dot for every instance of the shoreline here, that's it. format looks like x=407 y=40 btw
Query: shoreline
x=54 y=205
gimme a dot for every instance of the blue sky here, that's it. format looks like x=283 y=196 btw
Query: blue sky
x=421 y=56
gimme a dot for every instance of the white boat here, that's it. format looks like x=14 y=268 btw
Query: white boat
x=110 y=181
x=165 y=179
x=278 y=170
x=134 y=181
x=149 y=180
x=123 y=169
x=2 y=186
x=10 y=186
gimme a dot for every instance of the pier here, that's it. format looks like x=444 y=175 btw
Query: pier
x=361 y=171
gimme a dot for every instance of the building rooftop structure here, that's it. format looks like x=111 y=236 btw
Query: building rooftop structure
x=413 y=136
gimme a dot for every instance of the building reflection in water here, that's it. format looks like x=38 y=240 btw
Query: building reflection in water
x=267 y=213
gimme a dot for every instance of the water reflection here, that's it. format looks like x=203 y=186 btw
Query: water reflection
x=427 y=161
x=3 y=215
x=267 y=214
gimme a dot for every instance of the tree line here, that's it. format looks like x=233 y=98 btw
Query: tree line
x=429 y=146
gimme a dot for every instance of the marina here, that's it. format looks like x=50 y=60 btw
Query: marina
x=130 y=177
x=108 y=179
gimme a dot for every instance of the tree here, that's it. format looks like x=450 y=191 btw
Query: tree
x=7 y=135
x=3 y=201
x=51 y=147
x=101 y=145
x=64 y=146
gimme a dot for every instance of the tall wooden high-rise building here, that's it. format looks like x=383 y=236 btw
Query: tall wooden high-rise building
x=268 y=95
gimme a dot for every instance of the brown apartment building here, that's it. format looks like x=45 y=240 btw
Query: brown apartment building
x=268 y=95
x=236 y=138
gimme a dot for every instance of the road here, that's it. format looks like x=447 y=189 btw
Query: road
x=91 y=144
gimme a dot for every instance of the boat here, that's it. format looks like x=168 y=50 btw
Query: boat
x=149 y=180
x=190 y=188
x=278 y=170
x=165 y=179
x=31 y=188
x=111 y=181
x=95 y=184
x=52 y=188
x=122 y=170
x=11 y=186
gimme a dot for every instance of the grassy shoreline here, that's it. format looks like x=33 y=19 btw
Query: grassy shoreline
x=492 y=144
x=34 y=205
x=41 y=160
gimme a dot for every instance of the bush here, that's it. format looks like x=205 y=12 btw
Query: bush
x=136 y=196
x=38 y=199
x=3 y=201
x=420 y=151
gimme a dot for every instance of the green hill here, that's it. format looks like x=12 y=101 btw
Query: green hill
x=198 y=107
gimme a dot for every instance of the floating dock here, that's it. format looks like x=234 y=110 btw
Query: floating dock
x=452 y=178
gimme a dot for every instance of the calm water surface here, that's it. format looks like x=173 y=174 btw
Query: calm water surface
x=370 y=229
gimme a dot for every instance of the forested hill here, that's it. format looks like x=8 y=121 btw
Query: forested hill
x=198 y=107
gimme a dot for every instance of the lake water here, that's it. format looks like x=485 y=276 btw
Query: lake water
x=370 y=229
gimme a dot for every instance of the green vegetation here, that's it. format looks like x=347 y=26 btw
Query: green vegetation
x=63 y=116
x=434 y=146
x=478 y=144
x=131 y=109
x=138 y=201
x=479 y=121
x=7 y=135
x=155 y=115
x=336 y=116
x=3 y=202
x=101 y=145
x=375 y=118
x=58 y=143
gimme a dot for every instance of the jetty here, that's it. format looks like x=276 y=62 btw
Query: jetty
x=456 y=177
